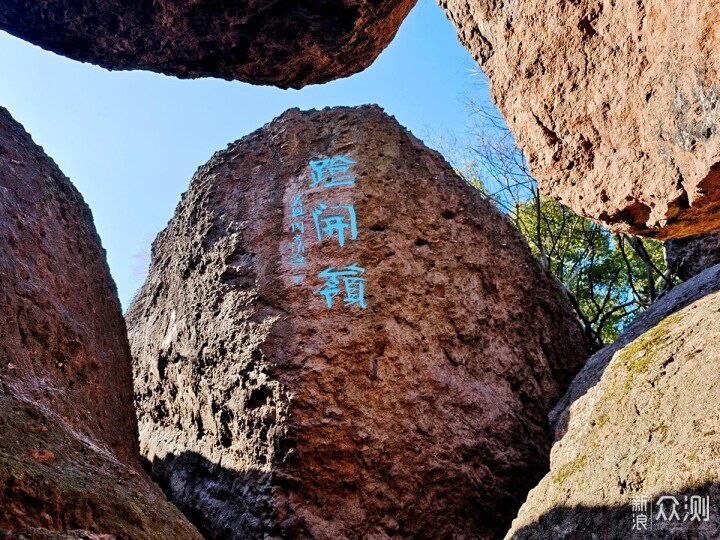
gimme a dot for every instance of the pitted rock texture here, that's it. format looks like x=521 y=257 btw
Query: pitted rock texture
x=264 y=412
x=272 y=42
x=35 y=533
x=689 y=256
x=639 y=420
x=615 y=105
x=68 y=435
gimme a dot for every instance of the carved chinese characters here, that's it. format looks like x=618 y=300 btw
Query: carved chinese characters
x=333 y=219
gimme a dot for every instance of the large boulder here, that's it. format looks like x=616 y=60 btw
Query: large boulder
x=687 y=257
x=286 y=44
x=615 y=105
x=68 y=435
x=640 y=424
x=340 y=338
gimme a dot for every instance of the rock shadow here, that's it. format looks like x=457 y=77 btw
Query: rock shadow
x=616 y=522
x=222 y=503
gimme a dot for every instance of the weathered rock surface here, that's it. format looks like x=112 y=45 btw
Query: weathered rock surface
x=414 y=406
x=639 y=420
x=286 y=44
x=615 y=105
x=36 y=533
x=689 y=256
x=68 y=438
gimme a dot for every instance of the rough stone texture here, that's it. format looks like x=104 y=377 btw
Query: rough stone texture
x=68 y=438
x=614 y=104
x=639 y=420
x=286 y=44
x=36 y=533
x=689 y=256
x=263 y=411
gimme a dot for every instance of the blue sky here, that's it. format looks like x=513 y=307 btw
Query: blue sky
x=131 y=141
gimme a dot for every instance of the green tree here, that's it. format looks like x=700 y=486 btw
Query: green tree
x=610 y=277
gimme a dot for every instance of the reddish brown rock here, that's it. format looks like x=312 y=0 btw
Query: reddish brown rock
x=689 y=256
x=615 y=106
x=417 y=408
x=639 y=420
x=68 y=437
x=35 y=533
x=286 y=44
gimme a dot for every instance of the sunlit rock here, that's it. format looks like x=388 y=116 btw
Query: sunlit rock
x=340 y=338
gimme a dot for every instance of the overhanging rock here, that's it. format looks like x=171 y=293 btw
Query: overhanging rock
x=285 y=44
x=616 y=106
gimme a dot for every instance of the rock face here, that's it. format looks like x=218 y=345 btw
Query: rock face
x=689 y=256
x=68 y=438
x=340 y=338
x=286 y=44
x=616 y=107
x=640 y=420
x=36 y=533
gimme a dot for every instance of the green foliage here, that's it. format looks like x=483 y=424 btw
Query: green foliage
x=607 y=274
x=610 y=278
